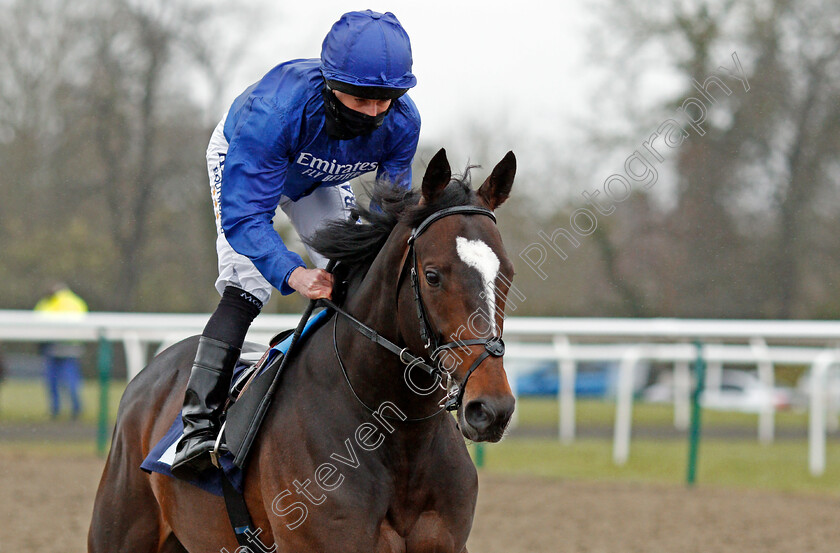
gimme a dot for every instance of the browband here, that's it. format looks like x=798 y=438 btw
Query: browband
x=459 y=209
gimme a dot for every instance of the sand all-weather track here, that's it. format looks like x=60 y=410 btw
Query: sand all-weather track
x=45 y=506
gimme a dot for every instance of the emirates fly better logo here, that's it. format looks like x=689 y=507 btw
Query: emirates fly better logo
x=331 y=170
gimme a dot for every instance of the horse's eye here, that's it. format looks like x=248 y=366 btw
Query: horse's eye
x=433 y=277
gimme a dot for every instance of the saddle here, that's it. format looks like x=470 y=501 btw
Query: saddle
x=244 y=415
x=257 y=368
x=252 y=360
x=252 y=388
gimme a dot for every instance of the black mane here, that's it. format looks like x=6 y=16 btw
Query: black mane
x=357 y=245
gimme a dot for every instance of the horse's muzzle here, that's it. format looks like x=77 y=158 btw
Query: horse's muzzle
x=485 y=419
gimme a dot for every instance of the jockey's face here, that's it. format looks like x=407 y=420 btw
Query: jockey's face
x=362 y=105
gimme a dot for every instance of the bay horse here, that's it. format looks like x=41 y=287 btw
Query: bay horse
x=355 y=453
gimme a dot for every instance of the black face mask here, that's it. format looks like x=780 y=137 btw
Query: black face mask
x=344 y=123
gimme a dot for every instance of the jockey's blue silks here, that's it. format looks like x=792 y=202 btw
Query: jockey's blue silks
x=276 y=145
x=279 y=147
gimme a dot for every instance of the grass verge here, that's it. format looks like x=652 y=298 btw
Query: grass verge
x=25 y=401
x=781 y=466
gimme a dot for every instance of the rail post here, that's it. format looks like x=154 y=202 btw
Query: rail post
x=624 y=405
x=766 y=417
x=566 y=391
x=694 y=434
x=106 y=355
x=817 y=412
x=479 y=455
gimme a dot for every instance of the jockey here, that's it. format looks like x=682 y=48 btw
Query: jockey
x=294 y=139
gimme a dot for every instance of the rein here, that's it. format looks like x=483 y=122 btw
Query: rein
x=350 y=385
x=493 y=346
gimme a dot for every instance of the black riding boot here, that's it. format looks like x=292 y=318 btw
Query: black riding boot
x=207 y=390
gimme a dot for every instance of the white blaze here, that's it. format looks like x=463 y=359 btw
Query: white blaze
x=480 y=257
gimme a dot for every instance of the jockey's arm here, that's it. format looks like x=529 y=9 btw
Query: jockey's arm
x=254 y=174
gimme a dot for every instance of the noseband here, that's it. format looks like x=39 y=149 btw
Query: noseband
x=493 y=346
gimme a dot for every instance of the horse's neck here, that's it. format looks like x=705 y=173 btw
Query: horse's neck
x=378 y=373
x=372 y=299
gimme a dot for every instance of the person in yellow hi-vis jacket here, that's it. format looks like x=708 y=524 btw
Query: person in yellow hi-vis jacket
x=62 y=358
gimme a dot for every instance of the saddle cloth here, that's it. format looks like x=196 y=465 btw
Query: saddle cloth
x=162 y=455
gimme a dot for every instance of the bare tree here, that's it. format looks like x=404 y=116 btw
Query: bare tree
x=749 y=188
x=102 y=145
x=37 y=53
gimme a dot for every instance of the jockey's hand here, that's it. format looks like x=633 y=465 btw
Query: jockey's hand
x=312 y=284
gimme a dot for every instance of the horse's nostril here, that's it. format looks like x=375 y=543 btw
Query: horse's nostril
x=479 y=414
x=506 y=407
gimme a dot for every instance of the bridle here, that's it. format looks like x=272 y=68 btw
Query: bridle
x=493 y=346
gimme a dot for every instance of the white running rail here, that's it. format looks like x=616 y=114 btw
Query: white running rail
x=564 y=340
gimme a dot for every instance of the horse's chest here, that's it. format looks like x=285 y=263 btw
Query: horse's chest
x=429 y=514
x=373 y=512
x=384 y=495
x=429 y=533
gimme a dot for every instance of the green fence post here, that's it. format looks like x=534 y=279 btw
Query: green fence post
x=694 y=435
x=105 y=361
x=479 y=455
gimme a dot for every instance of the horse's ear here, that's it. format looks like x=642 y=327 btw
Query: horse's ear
x=438 y=174
x=496 y=188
